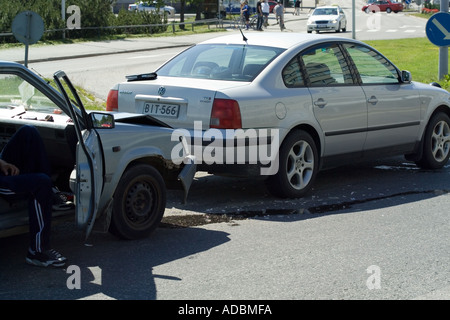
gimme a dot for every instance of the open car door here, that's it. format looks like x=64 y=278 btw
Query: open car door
x=89 y=156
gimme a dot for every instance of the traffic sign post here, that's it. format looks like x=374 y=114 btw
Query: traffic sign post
x=28 y=28
x=438 y=32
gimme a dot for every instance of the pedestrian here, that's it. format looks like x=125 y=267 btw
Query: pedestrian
x=279 y=13
x=266 y=11
x=246 y=14
x=259 y=12
x=297 y=7
x=25 y=171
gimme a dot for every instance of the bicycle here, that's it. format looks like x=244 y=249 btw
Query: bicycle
x=238 y=21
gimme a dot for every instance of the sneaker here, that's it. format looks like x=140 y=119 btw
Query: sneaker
x=47 y=258
x=61 y=200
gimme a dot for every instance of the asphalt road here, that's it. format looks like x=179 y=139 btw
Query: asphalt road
x=371 y=231
x=377 y=230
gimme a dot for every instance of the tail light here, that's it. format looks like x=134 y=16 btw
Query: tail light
x=112 y=101
x=225 y=114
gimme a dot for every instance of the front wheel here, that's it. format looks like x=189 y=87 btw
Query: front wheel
x=338 y=28
x=139 y=203
x=253 y=23
x=298 y=166
x=436 y=143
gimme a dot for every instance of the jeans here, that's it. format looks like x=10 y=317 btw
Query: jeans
x=27 y=152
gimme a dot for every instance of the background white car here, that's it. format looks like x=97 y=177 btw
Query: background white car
x=151 y=6
x=123 y=162
x=327 y=18
x=325 y=100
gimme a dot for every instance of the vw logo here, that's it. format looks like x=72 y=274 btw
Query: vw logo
x=161 y=91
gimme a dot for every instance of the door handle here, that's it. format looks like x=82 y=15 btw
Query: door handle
x=372 y=100
x=320 y=103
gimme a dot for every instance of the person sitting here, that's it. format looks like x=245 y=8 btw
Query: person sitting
x=25 y=170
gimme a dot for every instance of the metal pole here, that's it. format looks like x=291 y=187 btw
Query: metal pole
x=27 y=37
x=63 y=16
x=443 y=51
x=353 y=20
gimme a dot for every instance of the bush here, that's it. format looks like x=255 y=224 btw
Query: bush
x=97 y=18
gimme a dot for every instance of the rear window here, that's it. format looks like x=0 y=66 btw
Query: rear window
x=220 y=62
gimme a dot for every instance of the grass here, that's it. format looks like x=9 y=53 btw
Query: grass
x=417 y=55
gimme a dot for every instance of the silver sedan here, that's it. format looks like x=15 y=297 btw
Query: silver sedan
x=287 y=105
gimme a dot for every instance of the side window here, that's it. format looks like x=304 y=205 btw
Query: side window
x=292 y=75
x=372 y=67
x=325 y=65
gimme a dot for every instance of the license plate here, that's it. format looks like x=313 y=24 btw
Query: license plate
x=322 y=26
x=161 y=109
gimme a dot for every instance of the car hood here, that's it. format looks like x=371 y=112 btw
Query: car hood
x=323 y=17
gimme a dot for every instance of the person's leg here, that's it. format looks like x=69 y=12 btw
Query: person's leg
x=26 y=151
x=37 y=187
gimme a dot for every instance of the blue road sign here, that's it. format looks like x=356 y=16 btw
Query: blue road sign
x=438 y=29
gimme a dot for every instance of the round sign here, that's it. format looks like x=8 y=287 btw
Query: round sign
x=438 y=29
x=28 y=27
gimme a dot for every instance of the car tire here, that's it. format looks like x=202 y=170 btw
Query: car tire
x=367 y=10
x=388 y=10
x=139 y=203
x=436 y=143
x=338 y=28
x=298 y=166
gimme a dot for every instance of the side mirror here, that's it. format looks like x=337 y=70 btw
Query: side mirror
x=406 y=76
x=102 y=120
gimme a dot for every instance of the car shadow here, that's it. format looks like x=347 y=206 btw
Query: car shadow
x=374 y=184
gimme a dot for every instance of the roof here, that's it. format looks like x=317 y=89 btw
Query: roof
x=277 y=39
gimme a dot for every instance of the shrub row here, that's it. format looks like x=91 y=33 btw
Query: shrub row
x=95 y=16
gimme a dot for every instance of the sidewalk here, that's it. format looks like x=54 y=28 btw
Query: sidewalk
x=40 y=53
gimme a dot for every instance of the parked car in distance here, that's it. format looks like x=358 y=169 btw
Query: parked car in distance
x=314 y=101
x=151 y=6
x=118 y=166
x=272 y=5
x=327 y=18
x=384 y=6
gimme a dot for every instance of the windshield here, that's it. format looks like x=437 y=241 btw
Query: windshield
x=220 y=62
x=19 y=98
x=325 y=12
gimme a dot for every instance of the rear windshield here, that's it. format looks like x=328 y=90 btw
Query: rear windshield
x=220 y=62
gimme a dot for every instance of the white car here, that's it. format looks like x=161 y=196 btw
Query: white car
x=327 y=18
x=118 y=166
x=287 y=105
x=146 y=6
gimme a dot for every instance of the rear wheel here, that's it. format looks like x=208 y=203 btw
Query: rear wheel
x=388 y=10
x=139 y=203
x=298 y=166
x=436 y=143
